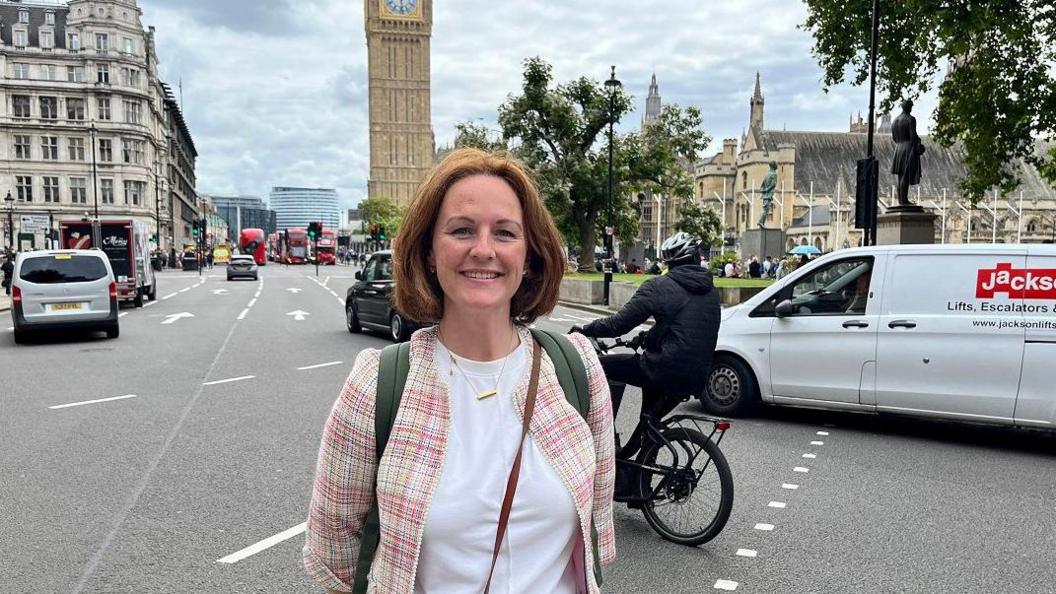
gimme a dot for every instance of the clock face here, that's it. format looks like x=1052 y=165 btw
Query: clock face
x=401 y=7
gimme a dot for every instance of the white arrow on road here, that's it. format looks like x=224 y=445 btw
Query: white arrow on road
x=298 y=315
x=294 y=290
x=219 y=291
x=171 y=318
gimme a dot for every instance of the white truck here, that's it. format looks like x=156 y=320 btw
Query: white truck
x=126 y=242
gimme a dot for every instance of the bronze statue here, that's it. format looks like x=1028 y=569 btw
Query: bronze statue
x=769 y=184
x=908 y=149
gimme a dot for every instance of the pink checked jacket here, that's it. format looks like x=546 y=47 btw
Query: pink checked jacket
x=582 y=453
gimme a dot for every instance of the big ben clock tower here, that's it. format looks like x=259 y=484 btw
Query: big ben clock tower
x=401 y=134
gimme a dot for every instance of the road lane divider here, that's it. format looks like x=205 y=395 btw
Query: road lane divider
x=800 y=469
x=777 y=504
x=252 y=302
x=810 y=456
x=747 y=553
x=728 y=585
x=169 y=296
x=815 y=443
x=306 y=368
x=764 y=527
x=267 y=543
x=122 y=314
x=97 y=401
x=789 y=486
x=229 y=380
x=242 y=315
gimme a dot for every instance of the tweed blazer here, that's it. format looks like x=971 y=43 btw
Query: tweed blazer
x=581 y=452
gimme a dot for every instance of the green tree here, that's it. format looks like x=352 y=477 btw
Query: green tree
x=697 y=220
x=382 y=212
x=470 y=135
x=562 y=133
x=998 y=94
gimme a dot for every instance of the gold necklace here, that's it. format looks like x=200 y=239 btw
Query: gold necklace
x=483 y=394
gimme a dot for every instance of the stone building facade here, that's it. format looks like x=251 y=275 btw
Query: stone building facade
x=402 y=145
x=814 y=199
x=84 y=125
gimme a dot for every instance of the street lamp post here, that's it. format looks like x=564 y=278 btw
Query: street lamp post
x=613 y=85
x=10 y=200
x=157 y=203
x=96 y=239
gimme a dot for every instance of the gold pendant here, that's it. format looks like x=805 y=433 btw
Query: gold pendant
x=486 y=394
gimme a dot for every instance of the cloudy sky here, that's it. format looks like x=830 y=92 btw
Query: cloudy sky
x=275 y=91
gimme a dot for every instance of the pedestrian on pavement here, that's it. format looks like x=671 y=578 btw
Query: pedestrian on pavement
x=209 y=258
x=755 y=270
x=480 y=255
x=8 y=268
x=768 y=267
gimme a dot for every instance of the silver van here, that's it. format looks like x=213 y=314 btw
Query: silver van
x=63 y=289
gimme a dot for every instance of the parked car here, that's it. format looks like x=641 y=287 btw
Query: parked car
x=63 y=289
x=369 y=304
x=242 y=265
x=963 y=332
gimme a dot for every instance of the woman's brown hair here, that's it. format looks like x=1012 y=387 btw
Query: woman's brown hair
x=418 y=292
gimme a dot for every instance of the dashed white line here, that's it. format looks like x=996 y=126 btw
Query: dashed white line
x=169 y=296
x=58 y=406
x=746 y=553
x=776 y=504
x=271 y=541
x=230 y=379
x=789 y=486
x=764 y=527
x=725 y=585
x=823 y=432
x=817 y=443
x=800 y=469
x=149 y=304
x=122 y=314
x=341 y=301
x=251 y=302
x=319 y=365
x=242 y=315
x=184 y=290
x=811 y=456
x=333 y=293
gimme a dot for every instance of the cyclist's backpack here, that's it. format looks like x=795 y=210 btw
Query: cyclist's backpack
x=393 y=367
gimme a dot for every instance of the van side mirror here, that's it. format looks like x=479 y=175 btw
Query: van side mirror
x=785 y=309
x=359 y=275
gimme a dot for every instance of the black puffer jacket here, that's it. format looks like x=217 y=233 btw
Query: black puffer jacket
x=679 y=346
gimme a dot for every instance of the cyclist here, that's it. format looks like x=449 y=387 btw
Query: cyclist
x=677 y=350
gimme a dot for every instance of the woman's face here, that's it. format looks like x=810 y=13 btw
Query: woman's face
x=479 y=245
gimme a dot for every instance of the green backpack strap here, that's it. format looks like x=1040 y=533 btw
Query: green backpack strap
x=572 y=375
x=394 y=363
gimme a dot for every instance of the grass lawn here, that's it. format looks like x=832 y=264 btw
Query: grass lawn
x=641 y=278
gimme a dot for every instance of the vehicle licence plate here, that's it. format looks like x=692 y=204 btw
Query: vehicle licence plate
x=65 y=306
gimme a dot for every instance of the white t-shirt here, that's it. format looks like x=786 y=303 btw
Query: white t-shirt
x=536 y=554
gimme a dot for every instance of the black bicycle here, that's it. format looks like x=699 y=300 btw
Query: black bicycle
x=672 y=468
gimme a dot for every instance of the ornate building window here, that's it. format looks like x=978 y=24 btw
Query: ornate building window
x=77 y=149
x=21 y=38
x=21 y=71
x=49 y=108
x=103 y=105
x=23 y=147
x=20 y=106
x=134 y=191
x=78 y=190
x=106 y=191
x=23 y=16
x=49 y=72
x=1032 y=226
x=74 y=42
x=49 y=18
x=744 y=180
x=75 y=109
x=49 y=148
x=102 y=73
x=106 y=150
x=75 y=74
x=102 y=42
x=47 y=40
x=24 y=188
x=51 y=189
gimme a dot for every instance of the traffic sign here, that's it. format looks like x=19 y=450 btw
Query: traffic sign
x=34 y=223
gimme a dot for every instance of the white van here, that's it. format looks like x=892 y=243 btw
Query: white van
x=962 y=332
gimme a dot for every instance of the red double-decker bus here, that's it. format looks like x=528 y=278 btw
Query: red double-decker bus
x=251 y=242
x=326 y=250
x=296 y=246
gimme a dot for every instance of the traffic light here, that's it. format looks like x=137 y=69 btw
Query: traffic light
x=204 y=221
x=315 y=229
x=381 y=233
x=195 y=229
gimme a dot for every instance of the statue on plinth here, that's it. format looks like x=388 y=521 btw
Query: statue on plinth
x=908 y=149
x=769 y=184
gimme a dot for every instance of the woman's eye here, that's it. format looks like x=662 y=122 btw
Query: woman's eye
x=462 y=232
x=507 y=234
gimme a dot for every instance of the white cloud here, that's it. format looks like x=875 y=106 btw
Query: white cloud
x=275 y=91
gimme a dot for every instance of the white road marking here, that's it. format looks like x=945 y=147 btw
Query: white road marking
x=823 y=432
x=251 y=302
x=789 y=486
x=184 y=290
x=230 y=379
x=298 y=315
x=149 y=304
x=319 y=365
x=746 y=553
x=219 y=291
x=58 y=406
x=256 y=295
x=271 y=541
x=776 y=504
x=811 y=456
x=725 y=585
x=242 y=315
x=171 y=318
x=122 y=314
x=294 y=290
x=169 y=296
x=341 y=302
x=325 y=281
x=764 y=527
x=800 y=469
x=9 y=328
x=583 y=318
x=817 y=443
x=553 y=319
x=333 y=293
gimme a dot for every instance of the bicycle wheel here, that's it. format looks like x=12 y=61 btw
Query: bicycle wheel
x=693 y=498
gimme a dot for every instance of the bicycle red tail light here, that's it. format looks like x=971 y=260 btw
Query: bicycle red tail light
x=722 y=425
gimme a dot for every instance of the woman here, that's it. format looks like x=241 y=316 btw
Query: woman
x=479 y=254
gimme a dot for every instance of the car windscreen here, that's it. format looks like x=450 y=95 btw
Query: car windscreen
x=62 y=268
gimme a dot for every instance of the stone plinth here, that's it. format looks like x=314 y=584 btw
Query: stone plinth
x=905 y=225
x=762 y=243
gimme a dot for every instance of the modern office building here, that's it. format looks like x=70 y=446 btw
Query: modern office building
x=244 y=212
x=85 y=127
x=296 y=207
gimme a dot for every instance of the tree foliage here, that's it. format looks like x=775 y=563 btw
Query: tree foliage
x=697 y=220
x=470 y=135
x=382 y=212
x=998 y=94
x=562 y=134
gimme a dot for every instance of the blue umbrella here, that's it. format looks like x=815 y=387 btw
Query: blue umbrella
x=805 y=250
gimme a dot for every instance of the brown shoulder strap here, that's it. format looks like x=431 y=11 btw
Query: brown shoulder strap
x=515 y=472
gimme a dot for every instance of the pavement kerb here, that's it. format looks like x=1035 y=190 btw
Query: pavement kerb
x=594 y=309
